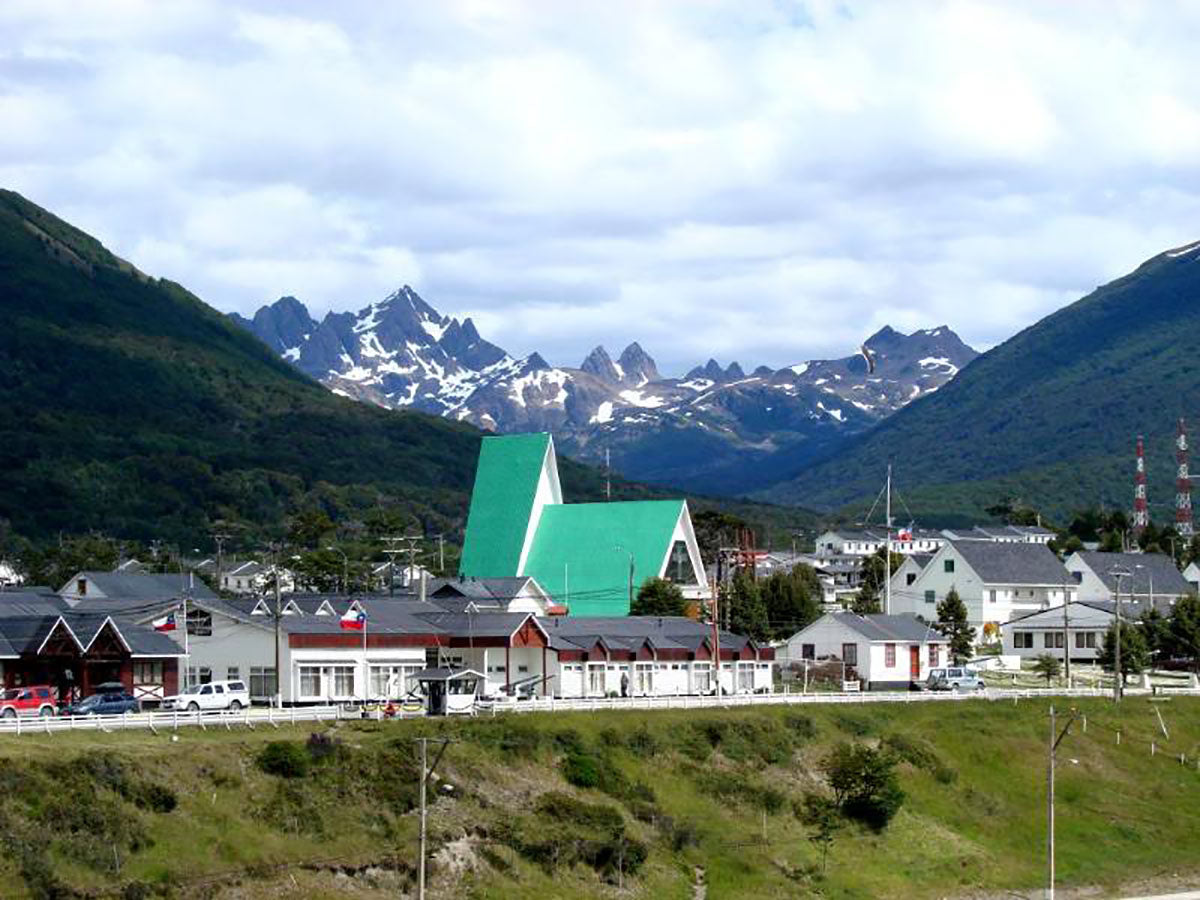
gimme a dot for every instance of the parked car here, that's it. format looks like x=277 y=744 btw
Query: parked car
x=954 y=678
x=105 y=703
x=35 y=700
x=214 y=695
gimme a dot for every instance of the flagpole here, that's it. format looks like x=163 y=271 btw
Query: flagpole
x=366 y=668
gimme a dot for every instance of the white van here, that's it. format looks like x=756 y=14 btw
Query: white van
x=214 y=695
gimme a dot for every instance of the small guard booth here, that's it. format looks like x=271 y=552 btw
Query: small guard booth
x=449 y=691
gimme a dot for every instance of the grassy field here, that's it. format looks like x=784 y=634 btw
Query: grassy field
x=137 y=815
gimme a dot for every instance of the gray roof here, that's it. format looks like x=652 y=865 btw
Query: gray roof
x=1079 y=613
x=997 y=563
x=478 y=588
x=878 y=627
x=30 y=603
x=25 y=634
x=1143 y=567
x=140 y=585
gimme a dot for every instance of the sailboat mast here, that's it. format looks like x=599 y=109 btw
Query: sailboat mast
x=887 y=560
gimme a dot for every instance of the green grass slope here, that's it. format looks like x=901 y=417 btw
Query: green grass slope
x=675 y=794
x=1050 y=415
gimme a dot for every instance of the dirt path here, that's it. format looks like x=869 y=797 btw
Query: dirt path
x=699 y=885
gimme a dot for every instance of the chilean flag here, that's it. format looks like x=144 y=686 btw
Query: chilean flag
x=166 y=623
x=354 y=618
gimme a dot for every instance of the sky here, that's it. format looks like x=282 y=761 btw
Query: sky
x=761 y=181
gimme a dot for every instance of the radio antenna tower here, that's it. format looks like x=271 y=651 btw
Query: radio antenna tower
x=1141 y=517
x=1183 y=486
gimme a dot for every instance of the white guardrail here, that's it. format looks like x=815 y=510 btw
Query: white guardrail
x=253 y=716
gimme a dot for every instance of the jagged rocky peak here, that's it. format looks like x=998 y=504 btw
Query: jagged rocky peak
x=733 y=372
x=763 y=372
x=636 y=366
x=711 y=370
x=600 y=364
x=284 y=325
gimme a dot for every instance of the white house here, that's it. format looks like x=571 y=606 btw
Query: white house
x=842 y=542
x=997 y=581
x=1192 y=576
x=1002 y=534
x=1152 y=578
x=909 y=570
x=885 y=652
x=1081 y=629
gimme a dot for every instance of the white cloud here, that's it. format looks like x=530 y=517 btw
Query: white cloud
x=762 y=181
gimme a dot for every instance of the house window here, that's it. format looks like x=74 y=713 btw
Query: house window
x=147 y=673
x=232 y=674
x=1022 y=640
x=889 y=655
x=991 y=596
x=343 y=680
x=81 y=587
x=850 y=654
x=205 y=675
x=929 y=597
x=262 y=681
x=596 y=680
x=948 y=565
x=933 y=654
x=679 y=567
x=1091 y=640
x=310 y=681
x=1052 y=640
x=808 y=651
x=911 y=577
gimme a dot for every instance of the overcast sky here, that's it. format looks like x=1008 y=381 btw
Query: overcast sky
x=762 y=181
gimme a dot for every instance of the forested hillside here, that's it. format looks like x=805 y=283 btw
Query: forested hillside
x=1049 y=416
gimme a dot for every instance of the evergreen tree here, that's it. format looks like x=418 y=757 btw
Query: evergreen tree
x=873 y=576
x=659 y=597
x=747 y=611
x=952 y=622
x=1135 y=656
x=1182 y=636
x=789 y=603
x=1048 y=667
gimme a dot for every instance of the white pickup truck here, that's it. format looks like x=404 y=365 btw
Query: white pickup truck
x=214 y=695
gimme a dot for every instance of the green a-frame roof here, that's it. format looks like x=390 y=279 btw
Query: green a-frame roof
x=502 y=502
x=580 y=553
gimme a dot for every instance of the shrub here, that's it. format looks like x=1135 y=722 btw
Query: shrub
x=568 y=740
x=800 y=725
x=738 y=788
x=864 y=783
x=920 y=755
x=581 y=770
x=642 y=743
x=565 y=808
x=285 y=759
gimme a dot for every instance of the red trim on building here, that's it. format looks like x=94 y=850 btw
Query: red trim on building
x=354 y=640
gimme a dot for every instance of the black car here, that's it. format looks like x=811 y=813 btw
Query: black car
x=107 y=703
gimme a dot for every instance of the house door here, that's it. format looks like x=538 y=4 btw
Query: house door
x=914 y=662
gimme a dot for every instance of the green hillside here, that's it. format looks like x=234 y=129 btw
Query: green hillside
x=607 y=804
x=1049 y=416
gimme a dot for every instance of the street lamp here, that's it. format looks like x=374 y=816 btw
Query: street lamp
x=345 y=569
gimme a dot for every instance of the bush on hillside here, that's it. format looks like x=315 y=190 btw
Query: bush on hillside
x=920 y=754
x=864 y=783
x=285 y=759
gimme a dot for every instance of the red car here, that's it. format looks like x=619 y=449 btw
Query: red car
x=35 y=700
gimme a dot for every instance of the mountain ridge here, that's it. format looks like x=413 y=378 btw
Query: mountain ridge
x=716 y=430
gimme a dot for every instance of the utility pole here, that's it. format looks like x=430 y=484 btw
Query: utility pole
x=426 y=773
x=392 y=549
x=1066 y=635
x=441 y=555
x=219 y=538
x=278 y=623
x=887 y=557
x=1118 y=674
x=1055 y=740
x=716 y=635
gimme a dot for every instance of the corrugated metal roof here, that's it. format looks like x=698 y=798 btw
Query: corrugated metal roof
x=580 y=554
x=506 y=480
x=879 y=627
